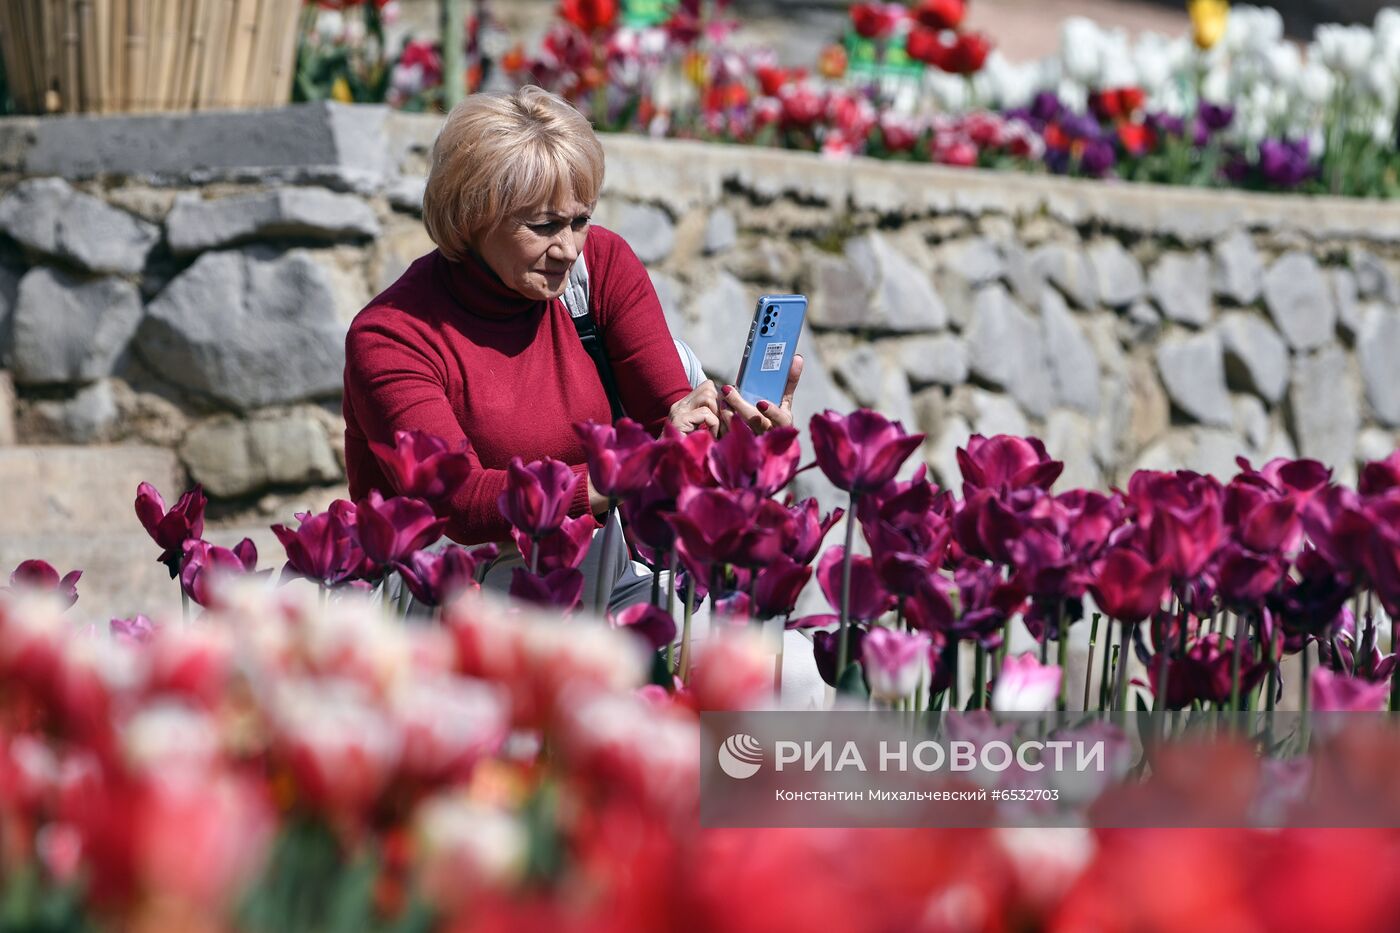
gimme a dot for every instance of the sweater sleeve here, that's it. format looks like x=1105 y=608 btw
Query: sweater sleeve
x=650 y=377
x=396 y=383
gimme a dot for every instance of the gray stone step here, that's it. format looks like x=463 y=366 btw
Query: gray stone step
x=52 y=490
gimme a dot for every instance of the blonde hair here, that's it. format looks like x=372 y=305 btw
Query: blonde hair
x=501 y=154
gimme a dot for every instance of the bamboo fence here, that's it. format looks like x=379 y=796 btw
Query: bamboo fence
x=123 y=56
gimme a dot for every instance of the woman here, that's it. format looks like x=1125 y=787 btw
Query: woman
x=473 y=342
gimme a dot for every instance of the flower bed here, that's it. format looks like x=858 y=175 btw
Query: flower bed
x=1232 y=105
x=293 y=757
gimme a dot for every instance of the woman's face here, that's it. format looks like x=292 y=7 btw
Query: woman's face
x=533 y=252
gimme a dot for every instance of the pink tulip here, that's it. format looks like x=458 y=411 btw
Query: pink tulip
x=1026 y=686
x=423 y=466
x=448 y=724
x=390 y=530
x=170 y=530
x=39 y=576
x=538 y=495
x=861 y=451
x=1337 y=693
x=895 y=663
x=137 y=631
x=620 y=457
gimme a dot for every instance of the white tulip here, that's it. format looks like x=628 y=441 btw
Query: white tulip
x=1285 y=64
x=1215 y=86
x=1080 y=48
x=1344 y=49
x=1387 y=30
x=1253 y=30
x=1315 y=83
x=1156 y=59
x=330 y=25
x=1117 y=68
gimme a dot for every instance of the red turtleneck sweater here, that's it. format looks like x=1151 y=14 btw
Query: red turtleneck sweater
x=449 y=349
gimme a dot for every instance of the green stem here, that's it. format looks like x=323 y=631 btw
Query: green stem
x=1062 y=646
x=1236 y=663
x=979 y=677
x=843 y=646
x=685 y=630
x=184 y=605
x=1089 y=665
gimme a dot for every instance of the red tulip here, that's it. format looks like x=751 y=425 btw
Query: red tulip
x=449 y=723
x=743 y=460
x=924 y=45
x=771 y=80
x=861 y=451
x=170 y=530
x=589 y=15
x=803 y=104
x=39 y=576
x=876 y=20
x=203 y=560
x=423 y=466
x=391 y=530
x=433 y=578
x=323 y=548
x=1004 y=463
x=869 y=598
x=538 y=495
x=652 y=624
x=1137 y=138
x=940 y=14
x=967 y=55
x=620 y=457
x=1128 y=587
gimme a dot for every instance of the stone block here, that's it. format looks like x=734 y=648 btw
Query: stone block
x=1256 y=358
x=1193 y=371
x=49 y=217
x=1238 y=270
x=1117 y=273
x=1325 y=409
x=196 y=224
x=68 y=329
x=1300 y=301
x=1180 y=285
x=874 y=287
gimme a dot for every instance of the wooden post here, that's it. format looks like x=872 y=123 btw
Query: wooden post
x=454 y=40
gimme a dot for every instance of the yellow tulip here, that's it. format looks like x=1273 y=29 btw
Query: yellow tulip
x=340 y=91
x=697 y=68
x=1208 y=19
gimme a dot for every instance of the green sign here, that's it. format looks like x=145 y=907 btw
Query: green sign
x=639 y=13
x=867 y=57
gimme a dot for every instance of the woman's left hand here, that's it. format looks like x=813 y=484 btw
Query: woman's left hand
x=764 y=415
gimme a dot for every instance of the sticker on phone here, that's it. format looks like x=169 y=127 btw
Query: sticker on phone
x=772 y=357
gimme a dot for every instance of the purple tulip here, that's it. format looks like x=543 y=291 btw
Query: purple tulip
x=861 y=451
x=1004 y=464
x=764 y=463
x=423 y=466
x=895 y=662
x=826 y=645
x=1098 y=158
x=721 y=526
x=538 y=495
x=1337 y=693
x=1283 y=163
x=138 y=631
x=1205 y=673
x=39 y=576
x=652 y=624
x=1339 y=652
x=620 y=457
x=204 y=562
x=869 y=599
x=560 y=589
x=1046 y=106
x=1026 y=686
x=777 y=586
x=1215 y=117
x=391 y=530
x=434 y=578
x=324 y=548
x=170 y=530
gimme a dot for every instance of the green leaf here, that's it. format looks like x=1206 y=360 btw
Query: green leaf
x=852 y=682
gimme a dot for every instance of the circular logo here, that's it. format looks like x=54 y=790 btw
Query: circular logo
x=740 y=756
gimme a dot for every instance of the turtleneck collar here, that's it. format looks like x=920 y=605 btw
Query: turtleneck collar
x=481 y=293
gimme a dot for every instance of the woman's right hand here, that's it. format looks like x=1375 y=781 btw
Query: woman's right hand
x=698 y=409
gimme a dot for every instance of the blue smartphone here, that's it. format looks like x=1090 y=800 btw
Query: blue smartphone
x=777 y=323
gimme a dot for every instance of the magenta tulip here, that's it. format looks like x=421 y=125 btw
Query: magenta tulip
x=620 y=457
x=777 y=586
x=826 y=646
x=204 y=562
x=323 y=548
x=1338 y=693
x=390 y=530
x=39 y=576
x=1004 y=464
x=861 y=451
x=566 y=547
x=1380 y=476
x=423 y=466
x=170 y=530
x=764 y=463
x=869 y=599
x=652 y=624
x=538 y=495
x=1127 y=586
x=560 y=589
x=721 y=526
x=435 y=577
x=809 y=529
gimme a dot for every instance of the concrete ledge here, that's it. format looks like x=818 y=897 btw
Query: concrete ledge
x=369 y=148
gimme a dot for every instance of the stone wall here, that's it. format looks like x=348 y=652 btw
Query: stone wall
x=184 y=283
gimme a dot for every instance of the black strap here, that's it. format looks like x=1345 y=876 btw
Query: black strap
x=592 y=341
